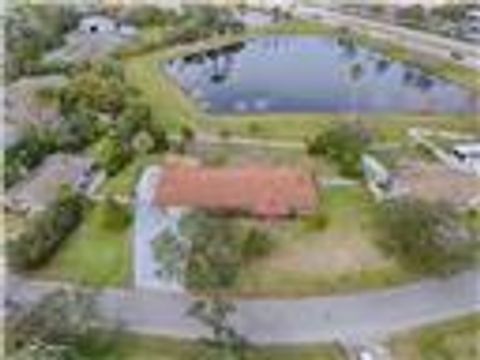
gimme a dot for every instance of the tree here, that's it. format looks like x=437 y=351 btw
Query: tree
x=44 y=236
x=414 y=15
x=255 y=244
x=426 y=238
x=63 y=325
x=114 y=154
x=143 y=143
x=99 y=88
x=30 y=31
x=225 y=343
x=215 y=254
x=148 y=15
x=78 y=130
x=344 y=144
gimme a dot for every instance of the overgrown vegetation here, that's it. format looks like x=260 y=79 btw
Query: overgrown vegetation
x=30 y=31
x=343 y=144
x=62 y=325
x=219 y=247
x=454 y=339
x=201 y=22
x=426 y=238
x=47 y=232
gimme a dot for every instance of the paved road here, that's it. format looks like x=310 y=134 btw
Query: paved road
x=366 y=315
x=415 y=40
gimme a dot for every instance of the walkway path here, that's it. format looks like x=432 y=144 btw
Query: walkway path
x=364 y=315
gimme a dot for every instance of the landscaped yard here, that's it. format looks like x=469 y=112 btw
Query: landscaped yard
x=456 y=339
x=157 y=348
x=94 y=255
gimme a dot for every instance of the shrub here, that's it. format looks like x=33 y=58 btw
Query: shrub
x=426 y=238
x=344 y=144
x=317 y=221
x=114 y=155
x=257 y=243
x=45 y=235
x=26 y=154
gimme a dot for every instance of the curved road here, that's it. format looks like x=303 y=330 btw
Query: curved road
x=357 y=316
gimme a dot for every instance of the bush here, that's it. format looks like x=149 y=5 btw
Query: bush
x=45 y=235
x=344 y=144
x=317 y=221
x=78 y=130
x=114 y=155
x=26 y=154
x=148 y=15
x=426 y=238
x=257 y=243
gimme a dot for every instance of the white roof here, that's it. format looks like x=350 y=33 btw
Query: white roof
x=473 y=148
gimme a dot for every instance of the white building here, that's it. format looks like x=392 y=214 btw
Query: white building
x=468 y=157
x=471 y=26
x=98 y=24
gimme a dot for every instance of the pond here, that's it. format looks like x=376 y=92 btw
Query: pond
x=311 y=74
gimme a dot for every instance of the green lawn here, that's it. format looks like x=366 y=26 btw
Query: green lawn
x=158 y=348
x=93 y=256
x=452 y=340
x=124 y=182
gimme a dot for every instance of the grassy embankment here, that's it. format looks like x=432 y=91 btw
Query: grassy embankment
x=455 y=339
x=156 y=348
x=172 y=108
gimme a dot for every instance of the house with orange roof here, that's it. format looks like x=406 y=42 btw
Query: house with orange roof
x=269 y=192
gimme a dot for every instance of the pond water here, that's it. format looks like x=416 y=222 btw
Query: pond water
x=311 y=74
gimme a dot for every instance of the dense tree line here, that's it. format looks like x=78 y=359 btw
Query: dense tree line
x=201 y=22
x=94 y=103
x=47 y=232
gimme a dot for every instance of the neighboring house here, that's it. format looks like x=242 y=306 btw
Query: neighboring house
x=45 y=182
x=470 y=27
x=96 y=37
x=427 y=180
x=25 y=107
x=468 y=155
x=98 y=24
x=458 y=151
x=256 y=191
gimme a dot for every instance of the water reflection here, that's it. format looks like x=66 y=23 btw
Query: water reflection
x=293 y=73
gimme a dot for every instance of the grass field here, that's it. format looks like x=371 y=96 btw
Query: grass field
x=93 y=256
x=456 y=339
x=155 y=348
x=124 y=182
x=339 y=259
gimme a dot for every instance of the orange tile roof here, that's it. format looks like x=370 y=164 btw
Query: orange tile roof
x=257 y=190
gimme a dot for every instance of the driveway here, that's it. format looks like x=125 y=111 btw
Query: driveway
x=373 y=314
x=150 y=222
